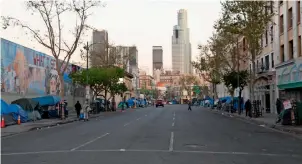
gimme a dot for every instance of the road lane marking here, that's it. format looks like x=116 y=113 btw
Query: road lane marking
x=171 y=141
x=138 y=119
x=159 y=151
x=89 y=142
x=146 y=115
x=173 y=124
x=127 y=124
x=173 y=118
x=174 y=114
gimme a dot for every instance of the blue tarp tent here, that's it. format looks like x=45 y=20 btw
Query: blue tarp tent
x=47 y=100
x=4 y=107
x=130 y=102
x=16 y=110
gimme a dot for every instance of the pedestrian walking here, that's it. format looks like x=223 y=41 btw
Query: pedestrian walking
x=85 y=110
x=248 y=108
x=189 y=106
x=78 y=108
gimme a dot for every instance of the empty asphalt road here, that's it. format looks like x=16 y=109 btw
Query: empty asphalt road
x=169 y=135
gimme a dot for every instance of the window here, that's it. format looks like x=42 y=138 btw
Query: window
x=290 y=18
x=272 y=58
x=298 y=12
x=272 y=34
x=282 y=53
x=291 y=50
x=262 y=62
x=281 y=24
x=266 y=66
x=266 y=37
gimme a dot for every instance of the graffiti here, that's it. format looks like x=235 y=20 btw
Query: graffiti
x=26 y=71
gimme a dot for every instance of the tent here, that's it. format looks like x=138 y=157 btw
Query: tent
x=17 y=110
x=47 y=100
x=27 y=104
x=4 y=107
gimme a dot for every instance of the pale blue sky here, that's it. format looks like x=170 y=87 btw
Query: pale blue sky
x=143 y=23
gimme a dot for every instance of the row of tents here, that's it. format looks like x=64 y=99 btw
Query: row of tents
x=29 y=109
x=133 y=102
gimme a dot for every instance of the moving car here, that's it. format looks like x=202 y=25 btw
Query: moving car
x=159 y=103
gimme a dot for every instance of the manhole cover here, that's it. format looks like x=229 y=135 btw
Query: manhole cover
x=195 y=145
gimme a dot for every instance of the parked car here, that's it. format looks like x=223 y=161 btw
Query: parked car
x=159 y=103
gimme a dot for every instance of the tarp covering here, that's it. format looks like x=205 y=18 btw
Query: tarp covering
x=26 y=104
x=130 y=102
x=33 y=115
x=17 y=110
x=47 y=100
x=4 y=107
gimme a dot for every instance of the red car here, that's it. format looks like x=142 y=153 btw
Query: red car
x=159 y=103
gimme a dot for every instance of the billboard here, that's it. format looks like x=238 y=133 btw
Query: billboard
x=26 y=71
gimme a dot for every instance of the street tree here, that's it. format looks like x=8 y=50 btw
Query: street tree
x=53 y=36
x=101 y=80
x=95 y=79
x=249 y=19
x=186 y=82
x=232 y=82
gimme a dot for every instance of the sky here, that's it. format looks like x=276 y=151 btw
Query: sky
x=144 y=23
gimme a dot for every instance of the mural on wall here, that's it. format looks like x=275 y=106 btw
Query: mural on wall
x=26 y=71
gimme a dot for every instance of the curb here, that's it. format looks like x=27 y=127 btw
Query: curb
x=50 y=125
x=268 y=125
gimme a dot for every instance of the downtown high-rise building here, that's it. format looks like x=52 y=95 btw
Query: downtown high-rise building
x=98 y=47
x=181 y=46
x=157 y=57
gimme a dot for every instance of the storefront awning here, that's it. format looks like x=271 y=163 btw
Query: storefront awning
x=290 y=85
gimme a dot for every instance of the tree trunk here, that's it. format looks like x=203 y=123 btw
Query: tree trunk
x=253 y=75
x=62 y=93
x=113 y=102
x=239 y=102
x=106 y=104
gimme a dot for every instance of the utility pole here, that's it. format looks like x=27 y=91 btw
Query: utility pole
x=238 y=78
x=87 y=62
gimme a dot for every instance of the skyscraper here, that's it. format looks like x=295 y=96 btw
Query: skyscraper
x=98 y=47
x=157 y=54
x=181 y=46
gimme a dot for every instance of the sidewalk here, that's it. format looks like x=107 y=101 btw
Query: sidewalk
x=44 y=123
x=267 y=120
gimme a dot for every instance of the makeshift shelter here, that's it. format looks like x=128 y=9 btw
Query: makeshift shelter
x=47 y=100
x=18 y=111
x=27 y=104
x=4 y=107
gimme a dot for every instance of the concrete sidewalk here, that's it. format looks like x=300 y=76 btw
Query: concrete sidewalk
x=267 y=120
x=44 y=123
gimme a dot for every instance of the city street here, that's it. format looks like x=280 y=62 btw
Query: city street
x=169 y=135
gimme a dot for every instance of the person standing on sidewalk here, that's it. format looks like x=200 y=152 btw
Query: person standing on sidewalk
x=278 y=106
x=189 y=105
x=78 y=108
x=248 y=108
x=86 y=110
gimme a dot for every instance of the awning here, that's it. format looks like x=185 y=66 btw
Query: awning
x=290 y=85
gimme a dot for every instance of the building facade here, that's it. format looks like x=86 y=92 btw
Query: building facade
x=181 y=46
x=146 y=82
x=99 y=47
x=157 y=57
x=26 y=73
x=287 y=48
